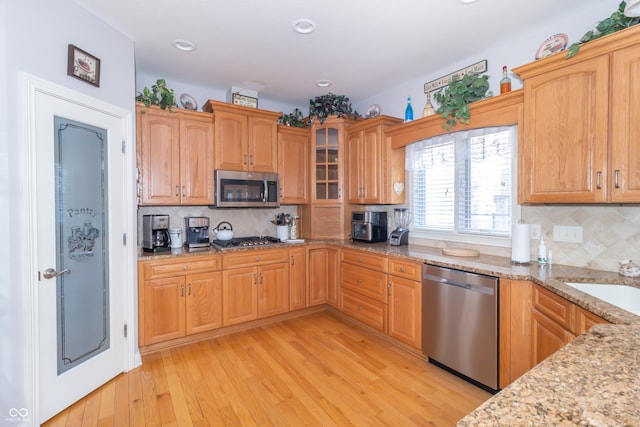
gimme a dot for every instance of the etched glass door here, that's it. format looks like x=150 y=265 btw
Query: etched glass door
x=82 y=282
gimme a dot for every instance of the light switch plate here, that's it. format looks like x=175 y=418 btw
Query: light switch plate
x=567 y=233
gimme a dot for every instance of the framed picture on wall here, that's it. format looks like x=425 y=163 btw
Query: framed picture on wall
x=82 y=65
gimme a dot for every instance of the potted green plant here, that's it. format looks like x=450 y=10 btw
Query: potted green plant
x=327 y=105
x=616 y=22
x=293 y=119
x=454 y=99
x=159 y=95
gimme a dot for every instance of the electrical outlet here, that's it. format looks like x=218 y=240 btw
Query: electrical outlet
x=535 y=231
x=566 y=233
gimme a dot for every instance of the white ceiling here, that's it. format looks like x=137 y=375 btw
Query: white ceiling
x=363 y=47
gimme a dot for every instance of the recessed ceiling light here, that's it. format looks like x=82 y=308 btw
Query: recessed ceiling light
x=304 y=26
x=467 y=1
x=323 y=83
x=183 y=45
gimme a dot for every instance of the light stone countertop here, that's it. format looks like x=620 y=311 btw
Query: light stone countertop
x=593 y=381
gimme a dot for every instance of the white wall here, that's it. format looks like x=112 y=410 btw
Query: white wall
x=33 y=38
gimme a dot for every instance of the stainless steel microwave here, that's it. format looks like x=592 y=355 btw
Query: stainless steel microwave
x=238 y=189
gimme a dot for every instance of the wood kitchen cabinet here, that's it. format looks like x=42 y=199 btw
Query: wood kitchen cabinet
x=297 y=278
x=580 y=138
x=323 y=277
x=326 y=216
x=255 y=284
x=178 y=298
x=246 y=138
x=174 y=156
x=293 y=165
x=373 y=167
x=363 y=293
x=405 y=301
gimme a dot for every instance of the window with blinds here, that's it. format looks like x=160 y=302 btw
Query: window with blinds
x=463 y=182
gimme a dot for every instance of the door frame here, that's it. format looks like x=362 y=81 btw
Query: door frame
x=29 y=86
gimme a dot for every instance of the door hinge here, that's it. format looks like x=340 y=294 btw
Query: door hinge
x=125 y=330
x=124 y=239
x=124 y=146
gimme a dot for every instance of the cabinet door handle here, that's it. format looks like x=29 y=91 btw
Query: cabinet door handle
x=255 y=279
x=598 y=176
x=616 y=178
x=244 y=159
x=189 y=291
x=251 y=159
x=177 y=190
x=181 y=290
x=293 y=260
x=261 y=278
x=388 y=289
x=184 y=194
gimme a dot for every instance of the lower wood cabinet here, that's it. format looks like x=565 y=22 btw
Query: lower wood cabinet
x=405 y=301
x=178 y=298
x=323 y=277
x=297 y=278
x=365 y=309
x=255 y=291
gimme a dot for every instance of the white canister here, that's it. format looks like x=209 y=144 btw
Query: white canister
x=175 y=234
x=282 y=232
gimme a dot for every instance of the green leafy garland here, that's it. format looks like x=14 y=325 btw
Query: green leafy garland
x=159 y=95
x=616 y=22
x=454 y=99
x=324 y=106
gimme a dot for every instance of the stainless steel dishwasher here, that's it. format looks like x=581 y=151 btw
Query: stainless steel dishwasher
x=460 y=323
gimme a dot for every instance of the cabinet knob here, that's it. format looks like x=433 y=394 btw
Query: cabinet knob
x=359 y=307
x=186 y=267
x=257 y=258
x=359 y=280
x=359 y=259
x=401 y=269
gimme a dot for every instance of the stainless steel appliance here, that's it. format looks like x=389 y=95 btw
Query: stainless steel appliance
x=238 y=189
x=400 y=236
x=155 y=233
x=369 y=226
x=196 y=232
x=244 y=242
x=460 y=323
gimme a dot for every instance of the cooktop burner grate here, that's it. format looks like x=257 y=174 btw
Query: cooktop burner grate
x=244 y=242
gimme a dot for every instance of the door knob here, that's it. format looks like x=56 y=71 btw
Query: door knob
x=50 y=273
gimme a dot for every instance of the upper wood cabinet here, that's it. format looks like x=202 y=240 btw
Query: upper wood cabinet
x=246 y=138
x=174 y=156
x=372 y=166
x=293 y=165
x=580 y=139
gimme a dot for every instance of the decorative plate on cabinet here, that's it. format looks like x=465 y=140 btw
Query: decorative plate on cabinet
x=188 y=102
x=552 y=45
x=373 y=111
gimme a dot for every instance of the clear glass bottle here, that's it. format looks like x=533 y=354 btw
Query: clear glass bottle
x=505 y=83
x=428 y=109
x=408 y=112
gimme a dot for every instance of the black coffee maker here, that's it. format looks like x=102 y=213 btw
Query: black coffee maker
x=155 y=233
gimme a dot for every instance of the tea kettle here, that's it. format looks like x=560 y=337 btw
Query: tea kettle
x=224 y=231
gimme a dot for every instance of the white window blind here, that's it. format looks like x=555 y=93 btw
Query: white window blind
x=463 y=182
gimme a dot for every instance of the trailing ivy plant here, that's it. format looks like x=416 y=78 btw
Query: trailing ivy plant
x=293 y=119
x=454 y=99
x=324 y=106
x=159 y=95
x=616 y=22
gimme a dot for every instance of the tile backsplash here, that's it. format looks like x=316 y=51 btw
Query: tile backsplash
x=245 y=222
x=611 y=233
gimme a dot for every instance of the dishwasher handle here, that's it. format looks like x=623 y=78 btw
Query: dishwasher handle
x=445 y=281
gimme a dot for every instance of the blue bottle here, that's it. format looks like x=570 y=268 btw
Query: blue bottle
x=408 y=112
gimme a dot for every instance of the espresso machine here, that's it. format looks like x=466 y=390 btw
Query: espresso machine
x=400 y=236
x=155 y=233
x=196 y=232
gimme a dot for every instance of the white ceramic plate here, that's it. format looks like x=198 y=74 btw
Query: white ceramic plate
x=188 y=102
x=552 y=45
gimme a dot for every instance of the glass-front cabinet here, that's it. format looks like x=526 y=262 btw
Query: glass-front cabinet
x=327 y=160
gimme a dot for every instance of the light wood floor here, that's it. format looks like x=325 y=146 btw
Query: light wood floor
x=314 y=370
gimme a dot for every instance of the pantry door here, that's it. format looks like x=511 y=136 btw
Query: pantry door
x=80 y=217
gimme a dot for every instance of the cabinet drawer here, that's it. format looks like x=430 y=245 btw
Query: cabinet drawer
x=407 y=269
x=365 y=259
x=254 y=258
x=364 y=281
x=367 y=310
x=189 y=265
x=554 y=307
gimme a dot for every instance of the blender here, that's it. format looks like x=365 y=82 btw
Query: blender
x=400 y=236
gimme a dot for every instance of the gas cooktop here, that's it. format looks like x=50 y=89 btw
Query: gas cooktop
x=244 y=242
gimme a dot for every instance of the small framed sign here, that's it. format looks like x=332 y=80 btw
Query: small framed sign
x=82 y=65
x=244 y=101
